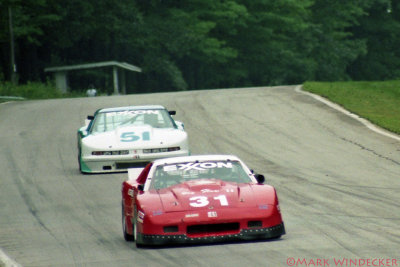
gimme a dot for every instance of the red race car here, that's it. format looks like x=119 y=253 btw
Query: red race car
x=192 y=199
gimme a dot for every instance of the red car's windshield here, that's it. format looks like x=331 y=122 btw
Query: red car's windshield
x=168 y=175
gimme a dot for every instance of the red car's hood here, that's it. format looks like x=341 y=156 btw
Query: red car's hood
x=206 y=194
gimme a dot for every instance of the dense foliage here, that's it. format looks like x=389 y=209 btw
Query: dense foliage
x=196 y=44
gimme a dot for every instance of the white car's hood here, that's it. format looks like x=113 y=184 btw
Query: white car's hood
x=136 y=137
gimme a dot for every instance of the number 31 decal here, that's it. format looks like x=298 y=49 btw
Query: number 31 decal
x=132 y=137
x=202 y=201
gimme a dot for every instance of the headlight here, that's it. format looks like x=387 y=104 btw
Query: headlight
x=110 y=153
x=159 y=150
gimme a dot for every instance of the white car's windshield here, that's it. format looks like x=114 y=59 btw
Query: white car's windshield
x=109 y=121
x=168 y=175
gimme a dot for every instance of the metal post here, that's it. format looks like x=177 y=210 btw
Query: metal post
x=115 y=75
x=13 y=65
x=61 y=81
x=123 y=82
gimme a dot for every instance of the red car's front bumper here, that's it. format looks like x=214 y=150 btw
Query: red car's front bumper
x=243 y=234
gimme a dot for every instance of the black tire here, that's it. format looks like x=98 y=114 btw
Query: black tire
x=79 y=161
x=127 y=237
x=139 y=243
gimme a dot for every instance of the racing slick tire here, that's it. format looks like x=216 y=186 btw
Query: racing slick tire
x=125 y=221
x=79 y=161
x=139 y=243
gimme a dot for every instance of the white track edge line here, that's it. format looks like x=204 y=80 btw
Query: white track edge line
x=367 y=123
x=7 y=260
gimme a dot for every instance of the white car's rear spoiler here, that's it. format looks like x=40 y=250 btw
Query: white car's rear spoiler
x=133 y=173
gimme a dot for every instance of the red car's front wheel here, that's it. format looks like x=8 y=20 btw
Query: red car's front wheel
x=126 y=222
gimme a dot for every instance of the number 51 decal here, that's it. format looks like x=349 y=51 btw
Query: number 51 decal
x=132 y=137
x=202 y=201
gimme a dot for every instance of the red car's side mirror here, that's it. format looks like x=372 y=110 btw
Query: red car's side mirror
x=260 y=178
x=140 y=187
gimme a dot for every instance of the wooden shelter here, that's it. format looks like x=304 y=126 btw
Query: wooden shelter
x=60 y=73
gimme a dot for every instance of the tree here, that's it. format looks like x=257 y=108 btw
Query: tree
x=273 y=44
x=336 y=47
x=196 y=44
x=183 y=41
x=29 y=18
x=380 y=27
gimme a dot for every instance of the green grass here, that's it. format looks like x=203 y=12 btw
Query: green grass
x=33 y=90
x=378 y=102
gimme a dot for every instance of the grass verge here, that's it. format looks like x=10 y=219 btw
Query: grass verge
x=378 y=102
x=32 y=90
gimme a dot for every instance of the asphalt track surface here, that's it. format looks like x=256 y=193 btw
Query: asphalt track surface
x=338 y=182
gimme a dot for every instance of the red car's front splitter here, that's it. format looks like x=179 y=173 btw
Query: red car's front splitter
x=245 y=234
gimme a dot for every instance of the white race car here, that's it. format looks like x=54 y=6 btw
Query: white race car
x=115 y=139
